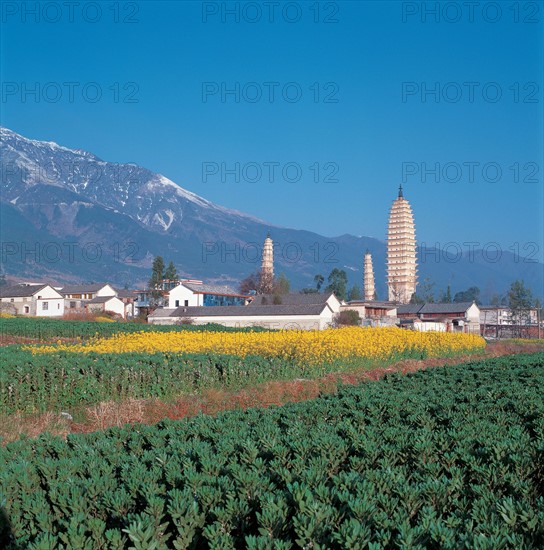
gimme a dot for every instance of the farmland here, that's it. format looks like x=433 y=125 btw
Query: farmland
x=168 y=364
x=45 y=330
x=445 y=457
x=442 y=458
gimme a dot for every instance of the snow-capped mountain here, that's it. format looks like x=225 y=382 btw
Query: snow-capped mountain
x=149 y=199
x=69 y=216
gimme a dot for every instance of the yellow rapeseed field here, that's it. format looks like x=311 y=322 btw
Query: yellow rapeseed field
x=306 y=346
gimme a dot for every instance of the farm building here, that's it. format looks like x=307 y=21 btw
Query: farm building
x=32 y=300
x=452 y=317
x=197 y=293
x=373 y=312
x=295 y=311
x=98 y=297
x=77 y=296
x=106 y=303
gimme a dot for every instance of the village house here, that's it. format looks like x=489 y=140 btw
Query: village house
x=499 y=322
x=502 y=315
x=289 y=311
x=101 y=304
x=77 y=296
x=449 y=317
x=196 y=293
x=34 y=300
x=373 y=312
x=98 y=297
x=128 y=297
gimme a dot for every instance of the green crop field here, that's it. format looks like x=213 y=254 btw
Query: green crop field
x=52 y=382
x=443 y=458
x=47 y=329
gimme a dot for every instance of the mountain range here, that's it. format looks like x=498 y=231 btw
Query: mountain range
x=68 y=216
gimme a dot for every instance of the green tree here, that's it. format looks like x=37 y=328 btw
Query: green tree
x=338 y=282
x=472 y=294
x=498 y=300
x=157 y=273
x=416 y=299
x=319 y=280
x=427 y=292
x=171 y=272
x=308 y=290
x=446 y=299
x=520 y=302
x=281 y=285
x=354 y=293
x=348 y=317
x=157 y=276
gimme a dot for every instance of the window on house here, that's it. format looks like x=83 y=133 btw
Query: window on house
x=186 y=302
x=177 y=303
x=12 y=300
x=45 y=306
x=72 y=305
x=27 y=309
x=58 y=306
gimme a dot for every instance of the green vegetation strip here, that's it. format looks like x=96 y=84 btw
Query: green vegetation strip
x=442 y=458
x=46 y=329
x=67 y=380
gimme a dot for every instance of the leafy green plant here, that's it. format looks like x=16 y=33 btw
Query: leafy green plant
x=442 y=458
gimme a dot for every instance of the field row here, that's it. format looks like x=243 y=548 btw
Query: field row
x=47 y=329
x=167 y=365
x=312 y=347
x=443 y=458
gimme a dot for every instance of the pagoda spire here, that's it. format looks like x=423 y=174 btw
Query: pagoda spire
x=401 y=251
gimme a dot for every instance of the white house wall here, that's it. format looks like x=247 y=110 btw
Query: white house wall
x=287 y=322
x=49 y=307
x=106 y=290
x=182 y=293
x=115 y=305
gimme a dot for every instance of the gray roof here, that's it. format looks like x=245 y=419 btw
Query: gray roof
x=82 y=289
x=125 y=293
x=163 y=312
x=19 y=291
x=101 y=299
x=222 y=290
x=293 y=299
x=460 y=307
x=246 y=311
x=373 y=303
x=408 y=308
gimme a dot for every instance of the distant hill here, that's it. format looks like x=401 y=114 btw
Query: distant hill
x=68 y=216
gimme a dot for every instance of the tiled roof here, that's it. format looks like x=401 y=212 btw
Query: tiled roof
x=82 y=289
x=124 y=293
x=460 y=307
x=222 y=290
x=101 y=299
x=373 y=303
x=246 y=311
x=408 y=308
x=19 y=291
x=163 y=312
x=293 y=299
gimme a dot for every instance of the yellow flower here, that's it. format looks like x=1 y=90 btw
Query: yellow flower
x=303 y=346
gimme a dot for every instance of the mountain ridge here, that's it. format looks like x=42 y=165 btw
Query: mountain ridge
x=54 y=198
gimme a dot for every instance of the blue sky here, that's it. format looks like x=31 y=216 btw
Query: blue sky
x=348 y=156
